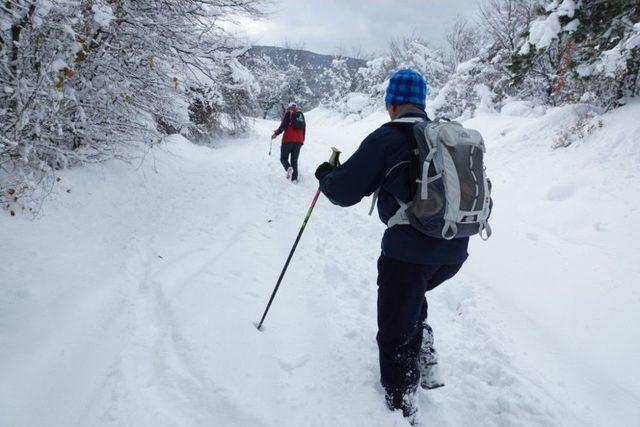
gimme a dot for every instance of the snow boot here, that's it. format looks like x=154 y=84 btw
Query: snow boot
x=430 y=376
x=289 y=173
x=407 y=402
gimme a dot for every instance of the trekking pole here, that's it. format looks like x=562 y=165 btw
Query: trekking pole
x=333 y=160
x=270 y=146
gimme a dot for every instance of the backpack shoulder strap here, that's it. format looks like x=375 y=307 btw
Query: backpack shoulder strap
x=414 y=167
x=377 y=192
x=374 y=200
x=414 y=163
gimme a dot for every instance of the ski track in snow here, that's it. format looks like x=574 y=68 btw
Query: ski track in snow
x=142 y=310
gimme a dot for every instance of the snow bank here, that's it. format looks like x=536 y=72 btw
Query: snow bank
x=562 y=255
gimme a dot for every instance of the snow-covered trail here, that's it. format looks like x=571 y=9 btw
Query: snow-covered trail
x=131 y=301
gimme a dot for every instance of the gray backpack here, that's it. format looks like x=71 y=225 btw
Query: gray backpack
x=453 y=193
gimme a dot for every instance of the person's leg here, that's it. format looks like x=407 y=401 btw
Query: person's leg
x=443 y=273
x=295 y=153
x=440 y=273
x=401 y=289
x=285 y=149
x=430 y=376
x=428 y=355
x=427 y=352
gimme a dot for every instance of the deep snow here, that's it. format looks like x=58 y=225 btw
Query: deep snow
x=130 y=300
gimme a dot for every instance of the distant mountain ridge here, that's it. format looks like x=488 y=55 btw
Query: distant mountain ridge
x=309 y=60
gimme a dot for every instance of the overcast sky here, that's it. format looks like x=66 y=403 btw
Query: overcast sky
x=325 y=25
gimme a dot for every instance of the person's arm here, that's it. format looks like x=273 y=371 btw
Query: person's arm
x=283 y=125
x=359 y=176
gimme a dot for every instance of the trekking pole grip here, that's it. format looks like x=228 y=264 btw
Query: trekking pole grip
x=335 y=155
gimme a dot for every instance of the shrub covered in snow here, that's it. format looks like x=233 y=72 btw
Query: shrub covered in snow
x=466 y=88
x=551 y=53
x=586 y=124
x=582 y=51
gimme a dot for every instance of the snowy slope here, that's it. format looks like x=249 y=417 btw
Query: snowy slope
x=131 y=299
x=563 y=264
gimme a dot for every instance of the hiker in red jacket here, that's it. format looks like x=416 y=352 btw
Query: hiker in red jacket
x=294 y=127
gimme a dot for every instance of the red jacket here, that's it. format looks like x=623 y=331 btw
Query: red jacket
x=291 y=134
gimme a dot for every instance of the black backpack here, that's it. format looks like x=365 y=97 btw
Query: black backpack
x=297 y=121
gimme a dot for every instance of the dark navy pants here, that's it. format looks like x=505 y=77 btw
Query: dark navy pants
x=290 y=149
x=402 y=307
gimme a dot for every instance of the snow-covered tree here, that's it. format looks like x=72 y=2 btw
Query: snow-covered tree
x=223 y=106
x=80 y=79
x=371 y=79
x=416 y=53
x=474 y=83
x=279 y=84
x=270 y=81
x=587 y=51
x=295 y=87
x=464 y=41
x=551 y=52
x=370 y=83
x=504 y=21
x=337 y=82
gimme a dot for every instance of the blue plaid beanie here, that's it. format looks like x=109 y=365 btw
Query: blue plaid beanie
x=406 y=87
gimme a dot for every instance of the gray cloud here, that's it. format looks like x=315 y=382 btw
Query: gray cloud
x=326 y=25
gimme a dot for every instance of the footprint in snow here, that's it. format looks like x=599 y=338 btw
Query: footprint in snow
x=559 y=193
x=351 y=334
x=598 y=226
x=290 y=366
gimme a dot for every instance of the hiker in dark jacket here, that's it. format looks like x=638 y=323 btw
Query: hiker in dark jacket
x=292 y=141
x=411 y=263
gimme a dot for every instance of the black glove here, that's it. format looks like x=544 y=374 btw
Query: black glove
x=324 y=169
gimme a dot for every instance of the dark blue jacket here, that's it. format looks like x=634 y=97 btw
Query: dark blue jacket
x=372 y=167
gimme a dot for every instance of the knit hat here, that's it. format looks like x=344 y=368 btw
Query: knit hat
x=406 y=87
